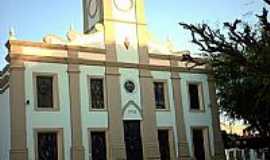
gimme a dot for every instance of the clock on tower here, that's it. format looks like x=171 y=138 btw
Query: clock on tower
x=124 y=5
x=124 y=25
x=93 y=14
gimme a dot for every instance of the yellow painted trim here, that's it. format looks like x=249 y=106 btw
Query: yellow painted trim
x=124 y=21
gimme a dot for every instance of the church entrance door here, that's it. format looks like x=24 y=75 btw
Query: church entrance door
x=133 y=140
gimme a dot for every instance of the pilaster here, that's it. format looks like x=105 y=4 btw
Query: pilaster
x=116 y=130
x=77 y=148
x=18 y=149
x=218 y=142
x=149 y=129
x=183 y=148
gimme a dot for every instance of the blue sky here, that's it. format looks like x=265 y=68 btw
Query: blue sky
x=32 y=19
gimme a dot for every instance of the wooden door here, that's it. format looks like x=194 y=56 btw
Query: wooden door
x=133 y=140
x=98 y=144
x=198 y=144
x=164 y=145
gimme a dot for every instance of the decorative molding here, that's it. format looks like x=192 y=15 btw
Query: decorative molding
x=15 y=46
x=50 y=39
x=135 y=105
x=80 y=61
x=126 y=22
x=129 y=86
x=78 y=48
x=165 y=56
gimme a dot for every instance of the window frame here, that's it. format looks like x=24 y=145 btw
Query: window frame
x=89 y=143
x=56 y=103
x=89 y=77
x=199 y=84
x=166 y=94
x=60 y=141
x=206 y=139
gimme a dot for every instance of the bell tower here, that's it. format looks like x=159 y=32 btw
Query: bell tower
x=126 y=41
x=124 y=25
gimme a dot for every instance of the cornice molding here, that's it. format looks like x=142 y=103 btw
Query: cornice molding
x=80 y=61
x=54 y=46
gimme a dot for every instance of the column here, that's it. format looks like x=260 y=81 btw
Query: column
x=77 y=149
x=218 y=142
x=18 y=150
x=183 y=148
x=149 y=126
x=116 y=130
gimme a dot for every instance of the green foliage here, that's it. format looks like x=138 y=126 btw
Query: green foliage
x=240 y=58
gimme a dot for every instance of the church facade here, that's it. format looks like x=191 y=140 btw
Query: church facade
x=110 y=93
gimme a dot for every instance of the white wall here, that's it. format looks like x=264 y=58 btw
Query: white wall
x=60 y=119
x=4 y=125
x=90 y=119
x=133 y=113
x=125 y=16
x=196 y=119
x=126 y=32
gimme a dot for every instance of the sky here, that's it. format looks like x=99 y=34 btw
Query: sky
x=33 y=19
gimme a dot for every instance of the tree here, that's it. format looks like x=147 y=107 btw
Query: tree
x=240 y=57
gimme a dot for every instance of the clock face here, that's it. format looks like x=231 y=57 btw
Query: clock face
x=92 y=8
x=124 y=5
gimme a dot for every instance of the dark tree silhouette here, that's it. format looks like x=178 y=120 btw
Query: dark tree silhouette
x=240 y=57
x=267 y=1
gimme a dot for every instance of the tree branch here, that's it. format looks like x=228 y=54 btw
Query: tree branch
x=267 y=1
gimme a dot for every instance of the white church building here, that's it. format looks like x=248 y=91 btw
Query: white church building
x=110 y=93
